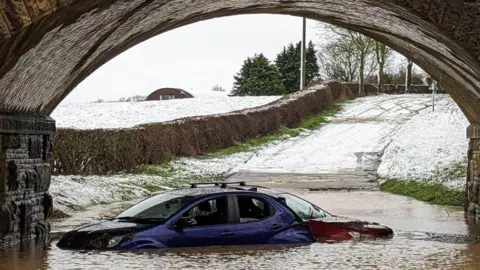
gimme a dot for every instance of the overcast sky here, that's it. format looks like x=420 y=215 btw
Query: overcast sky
x=193 y=57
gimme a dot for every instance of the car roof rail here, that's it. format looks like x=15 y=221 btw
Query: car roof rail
x=194 y=185
x=216 y=184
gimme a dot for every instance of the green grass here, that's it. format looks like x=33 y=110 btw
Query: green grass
x=163 y=170
x=284 y=132
x=452 y=171
x=172 y=177
x=319 y=120
x=151 y=187
x=427 y=192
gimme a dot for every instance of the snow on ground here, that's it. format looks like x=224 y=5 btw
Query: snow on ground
x=72 y=193
x=417 y=143
x=363 y=127
x=428 y=144
x=112 y=115
x=229 y=164
x=77 y=192
x=202 y=93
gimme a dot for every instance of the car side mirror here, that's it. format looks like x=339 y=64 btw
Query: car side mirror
x=282 y=200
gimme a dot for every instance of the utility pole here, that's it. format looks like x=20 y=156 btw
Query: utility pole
x=434 y=90
x=303 y=55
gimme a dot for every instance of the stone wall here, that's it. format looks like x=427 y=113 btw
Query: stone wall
x=472 y=204
x=371 y=89
x=25 y=203
x=400 y=89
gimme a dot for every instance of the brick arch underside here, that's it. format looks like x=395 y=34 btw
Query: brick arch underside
x=43 y=62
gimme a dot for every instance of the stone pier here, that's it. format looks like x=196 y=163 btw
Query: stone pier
x=25 y=203
x=472 y=203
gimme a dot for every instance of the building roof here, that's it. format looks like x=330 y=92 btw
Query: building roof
x=187 y=94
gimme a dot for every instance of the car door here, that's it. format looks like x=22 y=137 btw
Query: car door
x=257 y=220
x=206 y=223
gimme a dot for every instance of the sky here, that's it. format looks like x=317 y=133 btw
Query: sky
x=194 y=57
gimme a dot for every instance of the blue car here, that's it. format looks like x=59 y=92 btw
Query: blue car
x=203 y=215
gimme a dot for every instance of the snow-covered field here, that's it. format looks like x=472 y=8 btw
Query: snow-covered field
x=77 y=192
x=432 y=146
x=415 y=142
x=112 y=115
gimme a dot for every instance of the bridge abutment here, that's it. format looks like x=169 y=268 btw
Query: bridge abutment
x=472 y=203
x=25 y=204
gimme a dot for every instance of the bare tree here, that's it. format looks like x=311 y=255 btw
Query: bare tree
x=218 y=88
x=361 y=45
x=382 y=53
x=408 y=76
x=338 y=61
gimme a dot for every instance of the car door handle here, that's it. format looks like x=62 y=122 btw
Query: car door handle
x=275 y=227
x=226 y=233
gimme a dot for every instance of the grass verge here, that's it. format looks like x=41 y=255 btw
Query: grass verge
x=427 y=192
x=308 y=124
x=173 y=177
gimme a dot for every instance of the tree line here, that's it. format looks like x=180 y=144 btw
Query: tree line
x=349 y=56
x=259 y=76
x=135 y=98
x=346 y=56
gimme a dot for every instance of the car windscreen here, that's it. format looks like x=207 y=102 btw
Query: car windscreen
x=158 y=208
x=302 y=208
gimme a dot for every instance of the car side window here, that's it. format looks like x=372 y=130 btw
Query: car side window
x=253 y=208
x=207 y=213
x=302 y=208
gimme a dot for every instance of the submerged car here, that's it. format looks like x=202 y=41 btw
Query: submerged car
x=218 y=214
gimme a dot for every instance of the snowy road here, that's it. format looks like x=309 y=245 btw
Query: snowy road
x=346 y=151
x=353 y=140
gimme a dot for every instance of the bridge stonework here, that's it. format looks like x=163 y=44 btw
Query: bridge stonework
x=472 y=203
x=47 y=47
x=25 y=204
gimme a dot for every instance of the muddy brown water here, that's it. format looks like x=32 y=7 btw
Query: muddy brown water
x=427 y=237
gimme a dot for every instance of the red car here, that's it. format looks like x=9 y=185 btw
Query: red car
x=340 y=228
x=324 y=226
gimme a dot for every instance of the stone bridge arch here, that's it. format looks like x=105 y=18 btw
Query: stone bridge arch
x=47 y=47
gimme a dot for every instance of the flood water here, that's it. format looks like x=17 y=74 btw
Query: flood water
x=427 y=237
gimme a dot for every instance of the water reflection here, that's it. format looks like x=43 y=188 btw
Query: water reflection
x=398 y=253
x=427 y=237
x=29 y=255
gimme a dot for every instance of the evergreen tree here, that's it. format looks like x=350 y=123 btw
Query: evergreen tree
x=288 y=62
x=258 y=77
x=311 y=63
